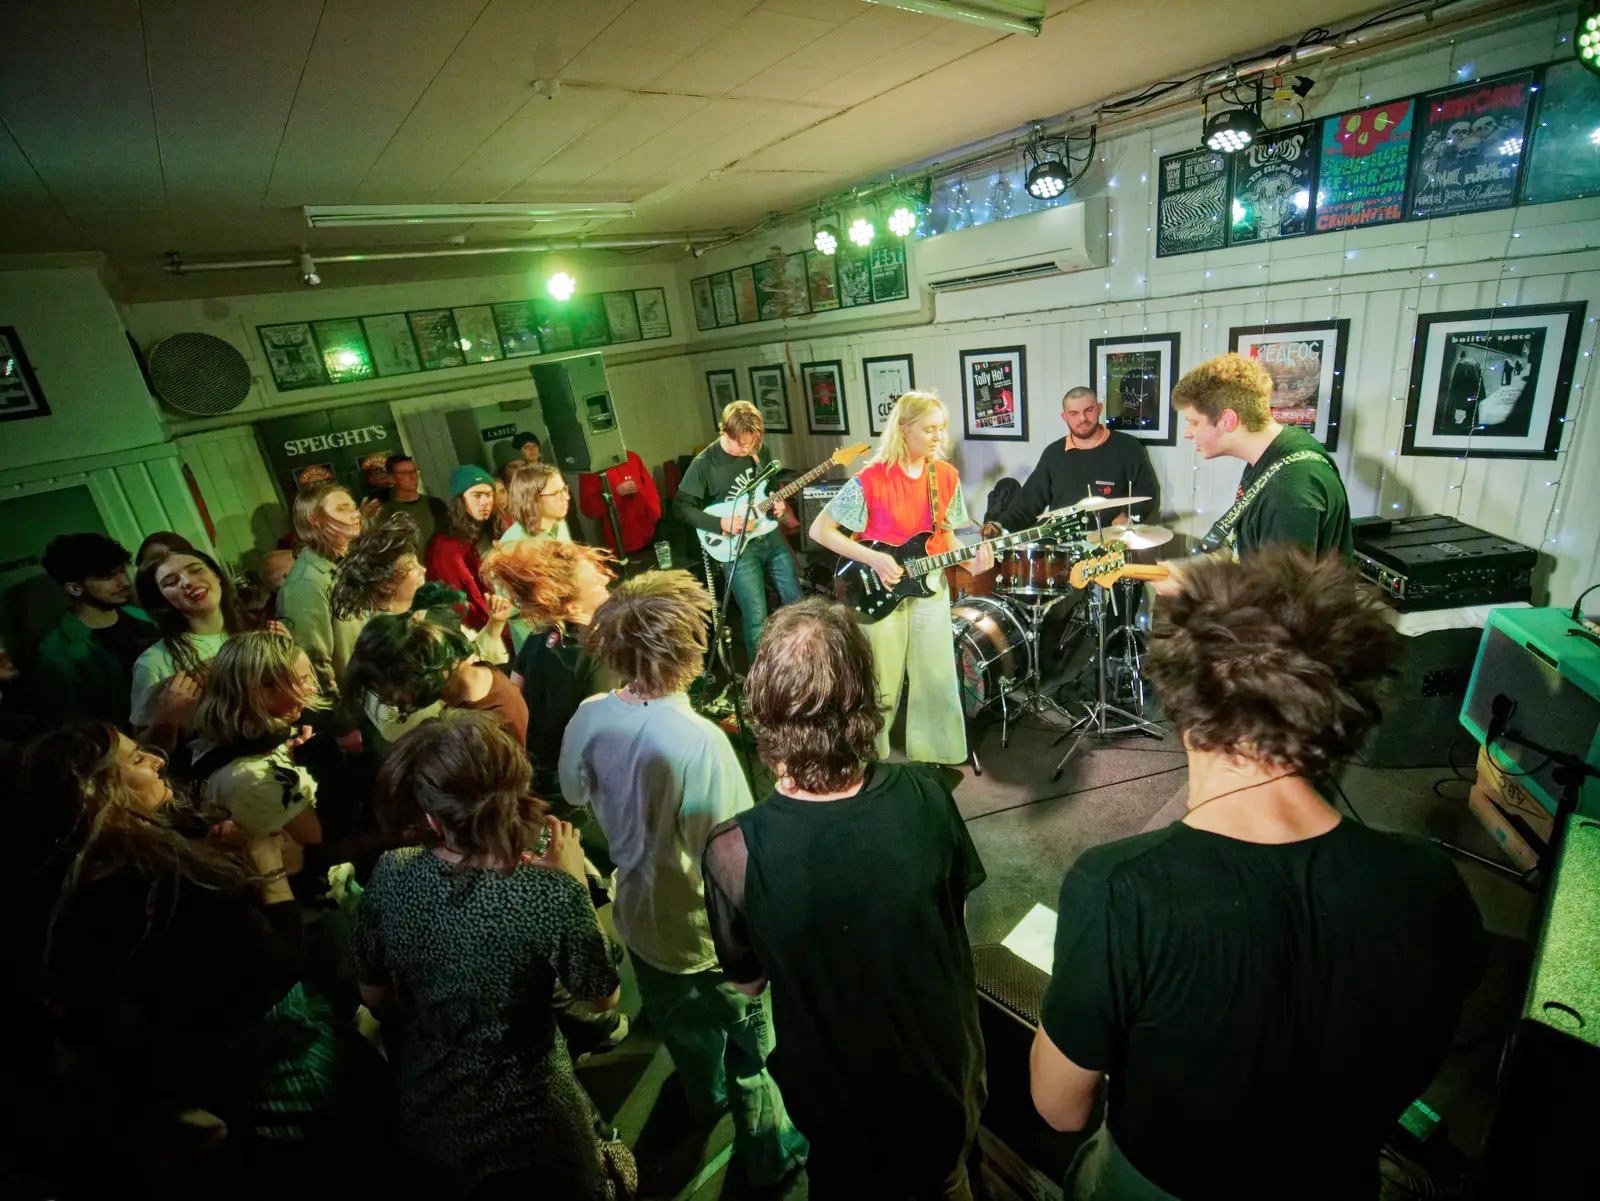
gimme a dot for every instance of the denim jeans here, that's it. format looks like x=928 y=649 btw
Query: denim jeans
x=769 y=553
x=719 y=1040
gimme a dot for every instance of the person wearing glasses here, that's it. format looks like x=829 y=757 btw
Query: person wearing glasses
x=538 y=498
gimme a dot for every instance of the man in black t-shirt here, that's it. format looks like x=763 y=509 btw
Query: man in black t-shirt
x=846 y=890
x=1266 y=986
x=1090 y=461
x=720 y=473
x=1290 y=490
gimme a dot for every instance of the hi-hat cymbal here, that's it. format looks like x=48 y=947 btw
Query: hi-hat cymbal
x=1133 y=537
x=1093 y=503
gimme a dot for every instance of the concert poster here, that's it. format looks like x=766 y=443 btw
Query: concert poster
x=622 y=316
x=781 y=286
x=887 y=377
x=767 y=394
x=438 y=344
x=1275 y=186
x=587 y=315
x=744 y=294
x=994 y=394
x=1191 y=201
x=514 y=322
x=1306 y=362
x=820 y=282
x=1564 y=163
x=553 y=326
x=888 y=269
x=292 y=355
x=652 y=306
x=722 y=300
x=1362 y=176
x=1134 y=377
x=479 y=340
x=854 y=266
x=823 y=384
x=345 y=355
x=705 y=313
x=1471 y=146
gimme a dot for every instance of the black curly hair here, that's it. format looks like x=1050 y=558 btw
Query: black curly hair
x=367 y=574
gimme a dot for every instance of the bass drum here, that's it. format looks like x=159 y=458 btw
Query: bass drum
x=991 y=650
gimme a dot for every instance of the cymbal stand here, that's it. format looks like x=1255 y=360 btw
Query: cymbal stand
x=1093 y=724
x=1034 y=699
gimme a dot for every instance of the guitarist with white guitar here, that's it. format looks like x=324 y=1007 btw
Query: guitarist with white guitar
x=719 y=474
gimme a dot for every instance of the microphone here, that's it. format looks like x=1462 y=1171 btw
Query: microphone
x=1500 y=711
x=761 y=477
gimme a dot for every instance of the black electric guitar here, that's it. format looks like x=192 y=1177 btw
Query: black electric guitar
x=859 y=586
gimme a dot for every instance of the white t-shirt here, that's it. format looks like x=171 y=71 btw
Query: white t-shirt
x=155 y=667
x=262 y=793
x=516 y=533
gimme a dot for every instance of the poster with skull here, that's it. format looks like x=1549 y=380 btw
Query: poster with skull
x=1471 y=150
x=1275 y=186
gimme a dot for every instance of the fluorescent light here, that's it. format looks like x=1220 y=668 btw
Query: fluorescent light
x=1012 y=16
x=329 y=216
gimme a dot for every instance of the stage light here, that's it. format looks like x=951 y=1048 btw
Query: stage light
x=1302 y=199
x=1047 y=180
x=1511 y=146
x=1231 y=130
x=902 y=221
x=826 y=238
x=1589 y=37
x=862 y=231
x=561 y=285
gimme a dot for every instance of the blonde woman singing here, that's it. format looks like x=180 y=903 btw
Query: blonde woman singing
x=905 y=490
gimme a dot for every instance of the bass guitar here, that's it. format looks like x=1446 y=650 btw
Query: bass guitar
x=860 y=587
x=720 y=546
x=1106 y=569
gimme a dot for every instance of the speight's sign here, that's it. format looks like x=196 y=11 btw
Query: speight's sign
x=338 y=439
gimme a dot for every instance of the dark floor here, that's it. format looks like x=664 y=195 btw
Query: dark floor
x=1029 y=829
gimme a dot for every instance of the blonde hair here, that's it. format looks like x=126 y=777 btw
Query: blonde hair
x=307 y=505
x=1229 y=381
x=653 y=631
x=540 y=576
x=740 y=419
x=239 y=680
x=524 y=484
x=911 y=408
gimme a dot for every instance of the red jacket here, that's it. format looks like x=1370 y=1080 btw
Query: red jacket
x=636 y=515
x=454 y=562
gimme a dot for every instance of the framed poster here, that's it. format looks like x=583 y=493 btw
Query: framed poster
x=1191 y=200
x=887 y=377
x=771 y=301
x=553 y=326
x=622 y=316
x=823 y=386
x=1134 y=377
x=1275 y=186
x=705 y=313
x=652 y=306
x=744 y=293
x=20 y=394
x=1361 y=179
x=723 y=388
x=519 y=333
x=389 y=339
x=766 y=392
x=854 y=269
x=586 y=313
x=438 y=344
x=887 y=265
x=1563 y=163
x=480 y=342
x=292 y=355
x=1306 y=362
x=722 y=300
x=821 y=286
x=1471 y=146
x=1492 y=382
x=994 y=394
x=345 y=356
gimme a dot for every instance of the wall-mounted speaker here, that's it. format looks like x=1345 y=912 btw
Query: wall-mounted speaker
x=575 y=399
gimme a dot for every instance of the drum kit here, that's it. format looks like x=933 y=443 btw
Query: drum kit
x=996 y=623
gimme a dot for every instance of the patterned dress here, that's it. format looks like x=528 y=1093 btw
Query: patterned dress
x=486 y=1087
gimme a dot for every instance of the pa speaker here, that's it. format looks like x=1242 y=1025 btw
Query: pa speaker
x=578 y=412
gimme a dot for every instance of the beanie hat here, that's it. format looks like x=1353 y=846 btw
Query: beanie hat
x=468 y=475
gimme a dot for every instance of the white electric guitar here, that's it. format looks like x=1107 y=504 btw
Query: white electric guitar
x=719 y=546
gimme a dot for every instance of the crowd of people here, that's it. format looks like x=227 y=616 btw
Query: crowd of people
x=330 y=870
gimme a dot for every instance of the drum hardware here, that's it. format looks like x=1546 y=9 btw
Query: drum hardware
x=990 y=634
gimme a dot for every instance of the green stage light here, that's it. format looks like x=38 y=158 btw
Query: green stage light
x=826 y=238
x=561 y=285
x=902 y=221
x=862 y=232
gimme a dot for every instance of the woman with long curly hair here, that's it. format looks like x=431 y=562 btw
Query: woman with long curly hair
x=190 y=598
x=455 y=555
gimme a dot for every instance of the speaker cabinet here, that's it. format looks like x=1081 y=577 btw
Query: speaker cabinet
x=578 y=412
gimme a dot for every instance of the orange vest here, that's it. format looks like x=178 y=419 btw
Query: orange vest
x=897 y=505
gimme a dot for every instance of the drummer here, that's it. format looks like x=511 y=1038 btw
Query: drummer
x=1091 y=460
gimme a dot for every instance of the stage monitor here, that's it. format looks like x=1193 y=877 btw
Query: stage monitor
x=579 y=413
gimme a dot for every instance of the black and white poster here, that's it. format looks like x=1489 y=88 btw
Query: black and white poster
x=292 y=356
x=888 y=377
x=855 y=276
x=1192 y=198
x=705 y=311
x=1471 y=143
x=768 y=394
x=1133 y=378
x=1275 y=186
x=722 y=299
x=1492 y=382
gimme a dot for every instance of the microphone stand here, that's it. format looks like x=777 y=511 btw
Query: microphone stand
x=611 y=516
x=720 y=632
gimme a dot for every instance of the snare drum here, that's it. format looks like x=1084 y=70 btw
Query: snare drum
x=1034 y=570
x=991 y=650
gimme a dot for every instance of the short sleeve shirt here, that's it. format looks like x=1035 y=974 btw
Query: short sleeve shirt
x=262 y=793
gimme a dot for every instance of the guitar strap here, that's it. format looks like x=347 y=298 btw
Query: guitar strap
x=1223 y=532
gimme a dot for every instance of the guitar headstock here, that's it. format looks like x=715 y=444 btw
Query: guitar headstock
x=1056 y=521
x=1105 y=569
x=847 y=455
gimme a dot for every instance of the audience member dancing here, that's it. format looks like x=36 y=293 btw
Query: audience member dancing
x=1261 y=952
x=458 y=947
x=190 y=598
x=161 y=957
x=784 y=887
x=85 y=665
x=456 y=552
x=325 y=520
x=556 y=586
x=907 y=489
x=154 y=546
x=660 y=777
x=537 y=498
x=245 y=731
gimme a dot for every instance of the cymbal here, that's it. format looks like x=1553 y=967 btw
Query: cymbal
x=1093 y=503
x=1134 y=537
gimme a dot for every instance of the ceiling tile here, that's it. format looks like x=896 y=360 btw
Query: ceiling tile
x=742 y=51
x=537 y=132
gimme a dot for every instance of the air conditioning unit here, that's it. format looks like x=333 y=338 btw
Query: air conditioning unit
x=1069 y=238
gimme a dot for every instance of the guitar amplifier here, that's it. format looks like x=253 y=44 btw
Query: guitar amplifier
x=1439 y=563
x=813 y=499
